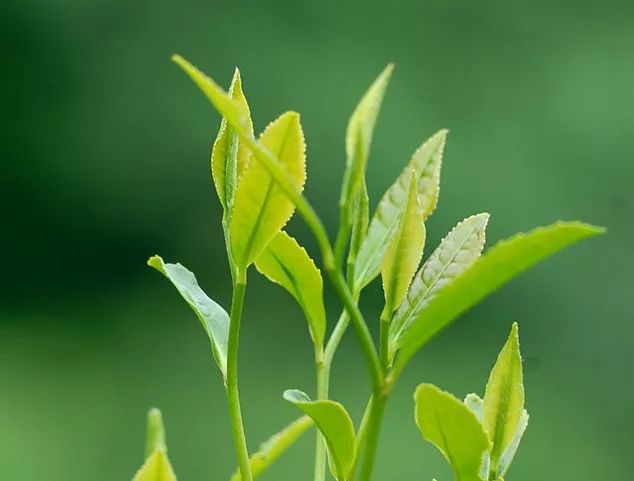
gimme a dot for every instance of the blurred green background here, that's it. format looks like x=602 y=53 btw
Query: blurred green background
x=105 y=162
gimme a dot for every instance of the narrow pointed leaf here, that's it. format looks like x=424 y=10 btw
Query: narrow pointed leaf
x=453 y=428
x=212 y=316
x=360 y=221
x=359 y=136
x=261 y=207
x=275 y=446
x=507 y=456
x=404 y=251
x=229 y=156
x=336 y=426
x=155 y=439
x=457 y=252
x=288 y=264
x=500 y=264
x=426 y=162
x=228 y=107
x=504 y=396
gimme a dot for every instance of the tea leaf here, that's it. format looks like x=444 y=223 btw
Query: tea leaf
x=456 y=253
x=229 y=156
x=499 y=265
x=271 y=449
x=213 y=317
x=360 y=220
x=156 y=468
x=359 y=136
x=335 y=424
x=504 y=396
x=451 y=426
x=509 y=453
x=286 y=263
x=261 y=207
x=426 y=162
x=404 y=251
x=155 y=439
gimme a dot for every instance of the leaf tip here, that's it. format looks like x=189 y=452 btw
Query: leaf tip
x=295 y=396
x=155 y=261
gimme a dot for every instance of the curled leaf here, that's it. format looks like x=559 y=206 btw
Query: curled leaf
x=212 y=316
x=288 y=264
x=336 y=426
x=229 y=156
x=453 y=428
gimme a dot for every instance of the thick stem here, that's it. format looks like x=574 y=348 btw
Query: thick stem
x=323 y=381
x=371 y=435
x=233 y=397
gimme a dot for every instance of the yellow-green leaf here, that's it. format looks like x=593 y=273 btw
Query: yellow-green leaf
x=426 y=162
x=453 y=428
x=288 y=264
x=271 y=449
x=156 y=468
x=404 y=251
x=261 y=207
x=229 y=156
x=504 y=397
x=335 y=424
x=499 y=265
x=212 y=316
x=509 y=453
x=457 y=252
x=359 y=136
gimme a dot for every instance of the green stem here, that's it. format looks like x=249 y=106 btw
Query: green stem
x=343 y=235
x=233 y=397
x=371 y=434
x=323 y=381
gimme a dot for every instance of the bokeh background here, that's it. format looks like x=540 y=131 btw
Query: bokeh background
x=105 y=148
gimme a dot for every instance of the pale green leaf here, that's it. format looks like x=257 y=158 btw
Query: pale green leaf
x=155 y=438
x=453 y=428
x=336 y=426
x=404 y=251
x=507 y=456
x=213 y=317
x=156 y=468
x=499 y=265
x=359 y=136
x=504 y=396
x=426 y=162
x=261 y=207
x=288 y=264
x=229 y=156
x=271 y=449
x=457 y=252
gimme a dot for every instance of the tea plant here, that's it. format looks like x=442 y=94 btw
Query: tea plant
x=259 y=182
